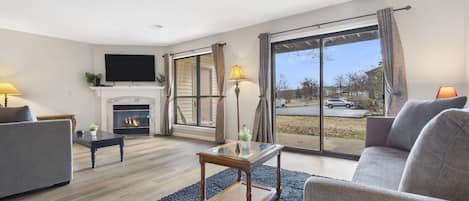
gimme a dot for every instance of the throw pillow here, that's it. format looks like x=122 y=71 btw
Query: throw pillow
x=438 y=166
x=413 y=117
x=16 y=114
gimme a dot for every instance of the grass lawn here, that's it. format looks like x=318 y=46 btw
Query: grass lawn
x=347 y=128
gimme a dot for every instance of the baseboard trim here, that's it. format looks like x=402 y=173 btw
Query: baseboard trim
x=194 y=136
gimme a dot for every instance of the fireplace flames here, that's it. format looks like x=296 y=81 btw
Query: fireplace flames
x=131 y=122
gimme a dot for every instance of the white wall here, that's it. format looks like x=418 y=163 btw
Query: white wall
x=467 y=46
x=49 y=73
x=100 y=50
x=432 y=34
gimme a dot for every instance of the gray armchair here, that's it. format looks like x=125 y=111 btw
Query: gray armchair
x=34 y=155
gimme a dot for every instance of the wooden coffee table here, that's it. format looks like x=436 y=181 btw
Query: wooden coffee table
x=101 y=139
x=243 y=159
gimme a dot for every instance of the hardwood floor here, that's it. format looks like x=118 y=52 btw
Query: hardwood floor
x=158 y=166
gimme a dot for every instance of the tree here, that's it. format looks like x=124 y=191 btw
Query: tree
x=281 y=89
x=340 y=83
x=309 y=87
x=298 y=93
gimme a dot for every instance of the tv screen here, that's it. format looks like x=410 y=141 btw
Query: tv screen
x=137 y=68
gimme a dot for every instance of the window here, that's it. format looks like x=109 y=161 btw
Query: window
x=330 y=83
x=196 y=91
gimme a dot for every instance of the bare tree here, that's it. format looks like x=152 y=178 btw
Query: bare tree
x=310 y=87
x=282 y=87
x=357 y=82
x=341 y=83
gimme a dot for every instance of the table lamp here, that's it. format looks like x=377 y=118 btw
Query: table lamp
x=8 y=89
x=446 y=92
x=237 y=75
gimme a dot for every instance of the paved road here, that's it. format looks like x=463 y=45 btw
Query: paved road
x=313 y=110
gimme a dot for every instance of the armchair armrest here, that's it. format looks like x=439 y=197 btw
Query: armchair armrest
x=377 y=130
x=324 y=189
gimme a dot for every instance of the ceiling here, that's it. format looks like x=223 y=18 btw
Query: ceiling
x=132 y=22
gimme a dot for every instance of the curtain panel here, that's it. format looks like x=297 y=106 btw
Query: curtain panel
x=219 y=61
x=262 y=130
x=166 y=127
x=393 y=62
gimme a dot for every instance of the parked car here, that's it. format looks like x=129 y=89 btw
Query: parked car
x=339 y=102
x=280 y=102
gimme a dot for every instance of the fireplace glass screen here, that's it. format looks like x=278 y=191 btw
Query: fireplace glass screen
x=131 y=119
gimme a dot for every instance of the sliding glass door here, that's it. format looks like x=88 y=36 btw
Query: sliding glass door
x=297 y=93
x=325 y=87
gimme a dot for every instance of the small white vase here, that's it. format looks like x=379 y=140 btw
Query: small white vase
x=93 y=133
x=245 y=145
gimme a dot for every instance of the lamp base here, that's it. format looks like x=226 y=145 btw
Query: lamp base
x=6 y=101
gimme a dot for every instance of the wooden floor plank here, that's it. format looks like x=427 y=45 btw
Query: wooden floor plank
x=154 y=167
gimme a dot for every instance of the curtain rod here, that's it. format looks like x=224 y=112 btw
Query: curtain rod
x=193 y=50
x=336 y=21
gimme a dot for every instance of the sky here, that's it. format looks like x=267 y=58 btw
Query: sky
x=339 y=60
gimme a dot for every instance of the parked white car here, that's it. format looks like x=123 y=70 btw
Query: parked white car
x=338 y=102
x=280 y=102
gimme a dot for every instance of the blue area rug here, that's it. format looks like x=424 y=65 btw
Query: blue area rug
x=292 y=184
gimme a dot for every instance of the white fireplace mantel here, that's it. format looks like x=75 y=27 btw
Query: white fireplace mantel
x=150 y=95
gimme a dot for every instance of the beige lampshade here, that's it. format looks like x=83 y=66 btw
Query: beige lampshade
x=8 y=88
x=446 y=92
x=237 y=73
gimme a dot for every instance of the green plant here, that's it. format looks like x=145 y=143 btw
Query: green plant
x=93 y=127
x=160 y=78
x=99 y=76
x=92 y=78
x=245 y=134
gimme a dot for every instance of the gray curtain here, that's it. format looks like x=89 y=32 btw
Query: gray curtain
x=166 y=127
x=393 y=62
x=219 y=61
x=262 y=131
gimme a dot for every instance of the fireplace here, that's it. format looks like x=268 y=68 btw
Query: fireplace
x=131 y=119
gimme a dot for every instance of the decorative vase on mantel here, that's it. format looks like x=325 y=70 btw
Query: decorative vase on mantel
x=97 y=82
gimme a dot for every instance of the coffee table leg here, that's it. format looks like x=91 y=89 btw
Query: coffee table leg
x=279 y=190
x=239 y=175
x=248 y=186
x=122 y=150
x=93 y=151
x=202 y=181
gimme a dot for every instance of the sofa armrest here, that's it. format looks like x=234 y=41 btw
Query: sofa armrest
x=377 y=130
x=324 y=189
x=34 y=155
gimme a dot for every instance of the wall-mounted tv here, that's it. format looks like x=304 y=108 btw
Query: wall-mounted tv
x=136 y=68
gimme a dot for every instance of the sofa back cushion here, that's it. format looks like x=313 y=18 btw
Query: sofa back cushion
x=16 y=114
x=438 y=165
x=413 y=117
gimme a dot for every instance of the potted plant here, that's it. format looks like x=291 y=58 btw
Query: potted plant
x=93 y=129
x=97 y=81
x=245 y=138
x=93 y=79
x=160 y=78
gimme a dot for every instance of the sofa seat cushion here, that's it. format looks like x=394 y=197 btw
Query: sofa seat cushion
x=381 y=167
x=438 y=165
x=414 y=115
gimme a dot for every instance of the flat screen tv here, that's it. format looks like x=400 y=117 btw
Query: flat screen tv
x=136 y=68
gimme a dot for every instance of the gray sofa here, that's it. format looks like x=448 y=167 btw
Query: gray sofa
x=377 y=176
x=422 y=154
x=34 y=155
